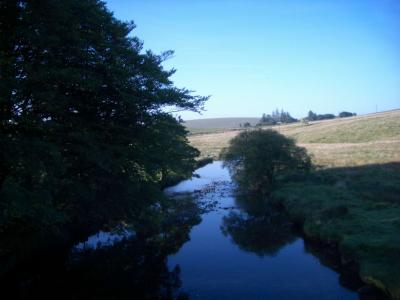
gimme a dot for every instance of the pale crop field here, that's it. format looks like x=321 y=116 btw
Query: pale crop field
x=354 y=141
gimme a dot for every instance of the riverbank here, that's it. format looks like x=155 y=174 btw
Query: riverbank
x=168 y=254
x=356 y=209
x=245 y=248
x=352 y=198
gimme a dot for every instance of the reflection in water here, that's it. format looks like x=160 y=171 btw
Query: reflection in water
x=183 y=248
x=104 y=239
x=121 y=265
x=258 y=227
x=254 y=256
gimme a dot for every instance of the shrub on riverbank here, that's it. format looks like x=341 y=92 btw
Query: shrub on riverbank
x=355 y=208
x=258 y=157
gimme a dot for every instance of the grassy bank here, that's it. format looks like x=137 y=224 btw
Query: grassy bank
x=357 y=208
x=352 y=198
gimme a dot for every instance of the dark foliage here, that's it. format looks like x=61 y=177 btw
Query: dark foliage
x=345 y=114
x=258 y=226
x=325 y=117
x=134 y=267
x=277 y=117
x=314 y=117
x=84 y=136
x=258 y=157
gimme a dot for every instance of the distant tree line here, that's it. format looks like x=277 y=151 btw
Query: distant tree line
x=345 y=114
x=277 y=117
x=283 y=117
x=316 y=117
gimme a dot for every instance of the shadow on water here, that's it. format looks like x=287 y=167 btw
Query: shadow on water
x=205 y=242
x=257 y=226
x=126 y=264
x=248 y=249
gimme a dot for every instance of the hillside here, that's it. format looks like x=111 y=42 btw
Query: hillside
x=218 y=123
x=366 y=139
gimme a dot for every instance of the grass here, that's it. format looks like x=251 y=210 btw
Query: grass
x=356 y=208
x=353 y=154
x=353 y=141
x=368 y=128
x=193 y=131
x=352 y=198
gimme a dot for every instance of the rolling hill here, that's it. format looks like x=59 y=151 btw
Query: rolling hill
x=219 y=123
x=364 y=139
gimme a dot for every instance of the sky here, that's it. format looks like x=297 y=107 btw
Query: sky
x=253 y=56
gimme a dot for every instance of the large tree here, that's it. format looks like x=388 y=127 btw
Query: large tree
x=84 y=136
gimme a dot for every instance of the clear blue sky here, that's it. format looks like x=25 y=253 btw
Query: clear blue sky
x=255 y=56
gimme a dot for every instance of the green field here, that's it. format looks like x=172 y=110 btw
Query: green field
x=354 y=141
x=351 y=200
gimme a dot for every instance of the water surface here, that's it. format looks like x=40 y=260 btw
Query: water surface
x=240 y=251
x=202 y=242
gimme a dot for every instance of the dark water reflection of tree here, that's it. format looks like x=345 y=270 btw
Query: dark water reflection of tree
x=133 y=268
x=263 y=229
x=257 y=226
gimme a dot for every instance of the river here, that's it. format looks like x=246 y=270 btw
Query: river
x=206 y=243
x=227 y=258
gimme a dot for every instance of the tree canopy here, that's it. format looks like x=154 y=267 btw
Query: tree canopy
x=345 y=114
x=85 y=137
x=257 y=218
x=276 y=117
x=312 y=116
x=258 y=157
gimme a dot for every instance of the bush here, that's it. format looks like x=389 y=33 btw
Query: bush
x=345 y=114
x=256 y=158
x=325 y=117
